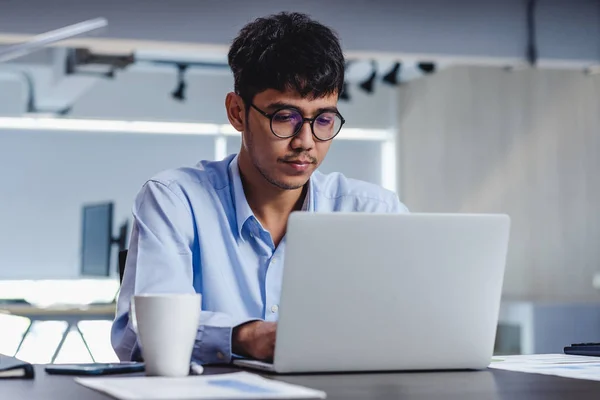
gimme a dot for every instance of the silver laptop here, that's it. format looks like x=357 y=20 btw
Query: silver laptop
x=381 y=292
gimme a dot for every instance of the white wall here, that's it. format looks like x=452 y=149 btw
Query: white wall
x=525 y=143
x=47 y=177
x=12 y=99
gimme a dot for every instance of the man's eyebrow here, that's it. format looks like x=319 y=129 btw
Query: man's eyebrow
x=279 y=104
x=327 y=109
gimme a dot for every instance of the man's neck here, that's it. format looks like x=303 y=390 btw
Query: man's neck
x=271 y=205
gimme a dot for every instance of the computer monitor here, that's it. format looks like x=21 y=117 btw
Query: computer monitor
x=97 y=239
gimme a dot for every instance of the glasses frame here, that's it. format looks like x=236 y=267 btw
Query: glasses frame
x=311 y=122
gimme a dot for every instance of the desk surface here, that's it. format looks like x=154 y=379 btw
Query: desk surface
x=490 y=384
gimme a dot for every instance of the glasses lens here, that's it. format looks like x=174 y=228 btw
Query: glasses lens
x=286 y=122
x=327 y=125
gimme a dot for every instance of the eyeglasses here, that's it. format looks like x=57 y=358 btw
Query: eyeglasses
x=287 y=122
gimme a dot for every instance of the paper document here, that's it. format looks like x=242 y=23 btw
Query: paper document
x=239 y=385
x=568 y=366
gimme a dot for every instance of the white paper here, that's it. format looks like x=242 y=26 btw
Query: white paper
x=239 y=385
x=568 y=366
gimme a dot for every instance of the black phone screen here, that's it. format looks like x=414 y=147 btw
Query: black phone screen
x=94 y=368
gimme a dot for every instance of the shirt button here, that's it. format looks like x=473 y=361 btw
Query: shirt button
x=220 y=355
x=275 y=308
x=252 y=235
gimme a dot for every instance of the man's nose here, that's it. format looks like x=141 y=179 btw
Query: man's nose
x=304 y=139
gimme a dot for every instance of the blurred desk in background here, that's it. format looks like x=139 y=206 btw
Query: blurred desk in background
x=71 y=314
x=545 y=327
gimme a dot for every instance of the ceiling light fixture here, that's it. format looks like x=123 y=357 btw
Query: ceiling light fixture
x=368 y=85
x=392 y=76
x=426 y=67
x=179 y=92
x=345 y=94
x=40 y=41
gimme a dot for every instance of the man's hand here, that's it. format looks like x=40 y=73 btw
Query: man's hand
x=255 y=339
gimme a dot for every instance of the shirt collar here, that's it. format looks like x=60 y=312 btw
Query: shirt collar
x=307 y=205
x=242 y=209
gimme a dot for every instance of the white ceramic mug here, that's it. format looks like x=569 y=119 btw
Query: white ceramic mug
x=166 y=325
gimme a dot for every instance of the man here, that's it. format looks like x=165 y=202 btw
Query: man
x=219 y=228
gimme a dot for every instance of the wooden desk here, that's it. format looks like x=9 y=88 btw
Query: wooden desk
x=489 y=384
x=71 y=314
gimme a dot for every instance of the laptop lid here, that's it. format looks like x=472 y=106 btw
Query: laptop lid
x=365 y=292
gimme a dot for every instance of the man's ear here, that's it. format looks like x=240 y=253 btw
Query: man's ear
x=235 y=111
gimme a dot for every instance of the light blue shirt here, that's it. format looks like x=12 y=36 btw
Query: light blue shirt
x=194 y=231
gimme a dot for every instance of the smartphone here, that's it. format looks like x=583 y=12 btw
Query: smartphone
x=95 y=368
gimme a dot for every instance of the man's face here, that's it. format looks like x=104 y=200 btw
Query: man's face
x=285 y=163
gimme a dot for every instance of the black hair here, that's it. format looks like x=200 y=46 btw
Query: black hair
x=286 y=51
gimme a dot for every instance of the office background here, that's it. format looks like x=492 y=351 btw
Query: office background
x=481 y=131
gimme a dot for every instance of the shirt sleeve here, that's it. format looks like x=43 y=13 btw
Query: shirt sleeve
x=161 y=259
x=395 y=206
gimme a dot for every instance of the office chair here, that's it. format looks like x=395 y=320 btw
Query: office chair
x=122 y=261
